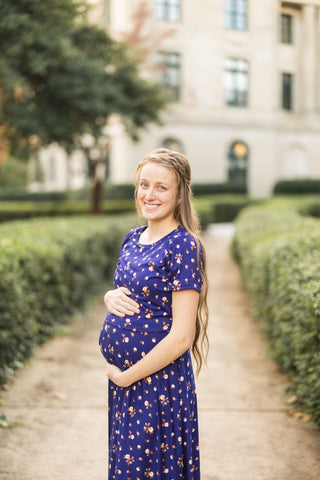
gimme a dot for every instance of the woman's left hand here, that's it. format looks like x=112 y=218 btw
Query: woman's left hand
x=116 y=375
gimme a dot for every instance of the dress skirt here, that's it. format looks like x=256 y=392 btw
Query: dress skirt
x=153 y=424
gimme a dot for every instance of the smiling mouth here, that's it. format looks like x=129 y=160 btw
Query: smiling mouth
x=151 y=206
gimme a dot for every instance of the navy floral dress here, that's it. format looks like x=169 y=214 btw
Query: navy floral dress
x=153 y=424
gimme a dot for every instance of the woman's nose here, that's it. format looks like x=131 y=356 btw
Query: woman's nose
x=149 y=193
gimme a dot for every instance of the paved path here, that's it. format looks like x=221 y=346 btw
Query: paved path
x=60 y=400
x=246 y=431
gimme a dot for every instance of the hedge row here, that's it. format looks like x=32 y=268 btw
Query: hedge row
x=220 y=208
x=109 y=192
x=298 y=186
x=278 y=251
x=48 y=268
x=23 y=210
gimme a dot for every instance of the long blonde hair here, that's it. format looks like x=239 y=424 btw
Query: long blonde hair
x=186 y=216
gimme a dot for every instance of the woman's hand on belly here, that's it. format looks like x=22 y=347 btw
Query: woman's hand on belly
x=119 y=303
x=116 y=375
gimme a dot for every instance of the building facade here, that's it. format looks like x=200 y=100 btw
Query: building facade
x=244 y=77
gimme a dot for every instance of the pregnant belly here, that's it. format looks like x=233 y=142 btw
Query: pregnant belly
x=123 y=347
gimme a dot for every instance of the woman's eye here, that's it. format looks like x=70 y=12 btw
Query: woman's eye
x=143 y=185
x=162 y=188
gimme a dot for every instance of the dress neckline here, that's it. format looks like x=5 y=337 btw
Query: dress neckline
x=143 y=228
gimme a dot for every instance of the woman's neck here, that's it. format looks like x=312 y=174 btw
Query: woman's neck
x=155 y=231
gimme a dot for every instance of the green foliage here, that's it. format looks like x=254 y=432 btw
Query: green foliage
x=118 y=198
x=311 y=209
x=109 y=192
x=298 y=186
x=228 y=211
x=23 y=210
x=61 y=77
x=200 y=189
x=219 y=208
x=5 y=423
x=48 y=268
x=279 y=254
x=13 y=173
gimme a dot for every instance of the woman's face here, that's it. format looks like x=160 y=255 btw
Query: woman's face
x=157 y=192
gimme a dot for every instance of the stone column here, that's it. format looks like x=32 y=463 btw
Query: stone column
x=309 y=52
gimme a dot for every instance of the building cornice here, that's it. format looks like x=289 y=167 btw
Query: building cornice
x=300 y=3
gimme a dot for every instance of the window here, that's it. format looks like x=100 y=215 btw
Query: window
x=106 y=11
x=236 y=14
x=52 y=169
x=168 y=10
x=236 y=82
x=287 y=91
x=238 y=162
x=170 y=73
x=286 y=28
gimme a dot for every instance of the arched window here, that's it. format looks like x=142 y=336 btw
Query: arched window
x=238 y=158
x=172 y=144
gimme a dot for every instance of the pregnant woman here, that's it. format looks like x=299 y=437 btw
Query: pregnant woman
x=157 y=313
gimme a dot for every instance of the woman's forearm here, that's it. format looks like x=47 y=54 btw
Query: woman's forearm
x=166 y=351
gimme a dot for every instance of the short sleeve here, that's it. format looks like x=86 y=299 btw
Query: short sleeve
x=129 y=235
x=184 y=271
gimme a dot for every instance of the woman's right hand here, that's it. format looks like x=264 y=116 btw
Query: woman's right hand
x=118 y=302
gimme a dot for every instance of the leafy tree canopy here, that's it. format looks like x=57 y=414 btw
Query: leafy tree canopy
x=61 y=77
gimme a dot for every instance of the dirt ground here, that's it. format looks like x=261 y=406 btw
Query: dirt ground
x=59 y=399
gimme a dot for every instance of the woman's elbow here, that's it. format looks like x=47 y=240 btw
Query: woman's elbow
x=183 y=342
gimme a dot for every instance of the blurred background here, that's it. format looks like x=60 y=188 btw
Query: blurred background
x=89 y=88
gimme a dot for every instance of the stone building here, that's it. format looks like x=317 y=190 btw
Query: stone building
x=244 y=76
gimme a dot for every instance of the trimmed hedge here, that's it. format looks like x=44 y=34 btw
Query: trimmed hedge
x=24 y=210
x=304 y=186
x=48 y=268
x=278 y=251
x=311 y=208
x=200 y=189
x=109 y=192
x=219 y=208
x=213 y=208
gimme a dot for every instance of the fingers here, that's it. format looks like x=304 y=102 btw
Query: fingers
x=125 y=290
x=118 y=302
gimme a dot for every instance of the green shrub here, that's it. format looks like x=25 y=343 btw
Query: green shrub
x=297 y=186
x=23 y=210
x=311 y=209
x=9 y=194
x=228 y=211
x=13 y=173
x=200 y=189
x=213 y=208
x=279 y=255
x=219 y=208
x=48 y=268
x=109 y=192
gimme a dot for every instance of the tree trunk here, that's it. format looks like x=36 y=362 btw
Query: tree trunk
x=96 y=197
x=96 y=194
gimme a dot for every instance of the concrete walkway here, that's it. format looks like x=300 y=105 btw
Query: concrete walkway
x=59 y=399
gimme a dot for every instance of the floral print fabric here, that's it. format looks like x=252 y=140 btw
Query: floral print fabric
x=153 y=424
